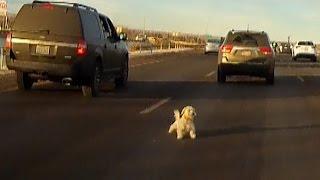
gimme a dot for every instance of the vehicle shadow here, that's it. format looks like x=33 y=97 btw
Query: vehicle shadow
x=248 y=129
x=284 y=87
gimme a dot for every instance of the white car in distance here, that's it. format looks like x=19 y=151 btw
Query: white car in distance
x=304 y=49
x=212 y=46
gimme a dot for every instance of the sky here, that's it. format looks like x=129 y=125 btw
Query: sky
x=299 y=19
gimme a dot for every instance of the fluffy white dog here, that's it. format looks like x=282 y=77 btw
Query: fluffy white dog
x=184 y=123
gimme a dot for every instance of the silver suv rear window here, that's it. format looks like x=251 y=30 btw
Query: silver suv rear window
x=248 y=39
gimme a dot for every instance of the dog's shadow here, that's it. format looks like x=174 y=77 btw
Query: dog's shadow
x=202 y=134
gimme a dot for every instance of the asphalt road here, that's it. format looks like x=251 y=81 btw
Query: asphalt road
x=246 y=129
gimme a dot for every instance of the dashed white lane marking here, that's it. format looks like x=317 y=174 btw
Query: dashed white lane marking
x=146 y=63
x=300 y=78
x=155 y=106
x=211 y=74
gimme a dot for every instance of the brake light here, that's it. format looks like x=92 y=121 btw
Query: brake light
x=8 y=43
x=226 y=48
x=266 y=50
x=48 y=6
x=81 y=48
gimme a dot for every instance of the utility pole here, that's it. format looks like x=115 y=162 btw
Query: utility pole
x=289 y=39
x=144 y=25
x=207 y=26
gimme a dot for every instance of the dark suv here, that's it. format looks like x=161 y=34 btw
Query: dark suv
x=246 y=53
x=66 y=42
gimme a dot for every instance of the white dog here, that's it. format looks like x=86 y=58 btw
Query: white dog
x=184 y=123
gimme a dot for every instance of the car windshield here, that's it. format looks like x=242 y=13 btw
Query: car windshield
x=215 y=41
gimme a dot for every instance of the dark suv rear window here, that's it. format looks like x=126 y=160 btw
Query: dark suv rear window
x=58 y=20
x=248 y=39
x=303 y=43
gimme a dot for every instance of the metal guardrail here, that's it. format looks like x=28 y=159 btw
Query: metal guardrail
x=139 y=46
x=3 y=65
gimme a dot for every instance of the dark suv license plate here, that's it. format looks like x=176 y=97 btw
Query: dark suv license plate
x=43 y=50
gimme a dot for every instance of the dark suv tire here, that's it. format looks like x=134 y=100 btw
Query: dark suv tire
x=24 y=81
x=314 y=59
x=93 y=89
x=122 y=80
x=221 y=76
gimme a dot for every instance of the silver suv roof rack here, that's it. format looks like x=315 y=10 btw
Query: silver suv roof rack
x=77 y=5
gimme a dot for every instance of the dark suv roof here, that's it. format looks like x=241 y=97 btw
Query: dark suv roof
x=76 y=5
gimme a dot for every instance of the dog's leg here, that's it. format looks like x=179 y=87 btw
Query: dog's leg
x=193 y=134
x=173 y=127
x=179 y=134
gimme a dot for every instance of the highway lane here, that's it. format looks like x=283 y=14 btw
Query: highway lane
x=246 y=129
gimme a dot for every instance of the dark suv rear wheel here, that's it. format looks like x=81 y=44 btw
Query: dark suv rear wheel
x=270 y=79
x=123 y=79
x=221 y=76
x=93 y=89
x=24 y=81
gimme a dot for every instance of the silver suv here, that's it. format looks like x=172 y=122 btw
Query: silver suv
x=246 y=53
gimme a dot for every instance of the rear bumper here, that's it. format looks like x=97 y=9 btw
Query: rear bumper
x=211 y=49
x=79 y=71
x=37 y=67
x=260 y=70
x=305 y=55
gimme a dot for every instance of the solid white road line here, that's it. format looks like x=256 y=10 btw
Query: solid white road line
x=211 y=74
x=300 y=78
x=155 y=106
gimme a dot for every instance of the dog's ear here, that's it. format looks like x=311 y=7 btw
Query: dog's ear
x=183 y=111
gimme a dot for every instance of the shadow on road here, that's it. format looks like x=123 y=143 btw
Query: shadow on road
x=285 y=87
x=248 y=129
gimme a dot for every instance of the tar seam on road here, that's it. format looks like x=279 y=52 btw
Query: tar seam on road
x=300 y=78
x=155 y=106
x=211 y=74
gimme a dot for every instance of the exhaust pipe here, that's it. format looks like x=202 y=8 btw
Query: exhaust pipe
x=67 y=81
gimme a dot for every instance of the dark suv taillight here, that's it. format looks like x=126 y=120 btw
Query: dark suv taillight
x=82 y=48
x=8 y=43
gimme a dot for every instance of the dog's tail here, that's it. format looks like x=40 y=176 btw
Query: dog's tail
x=176 y=115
